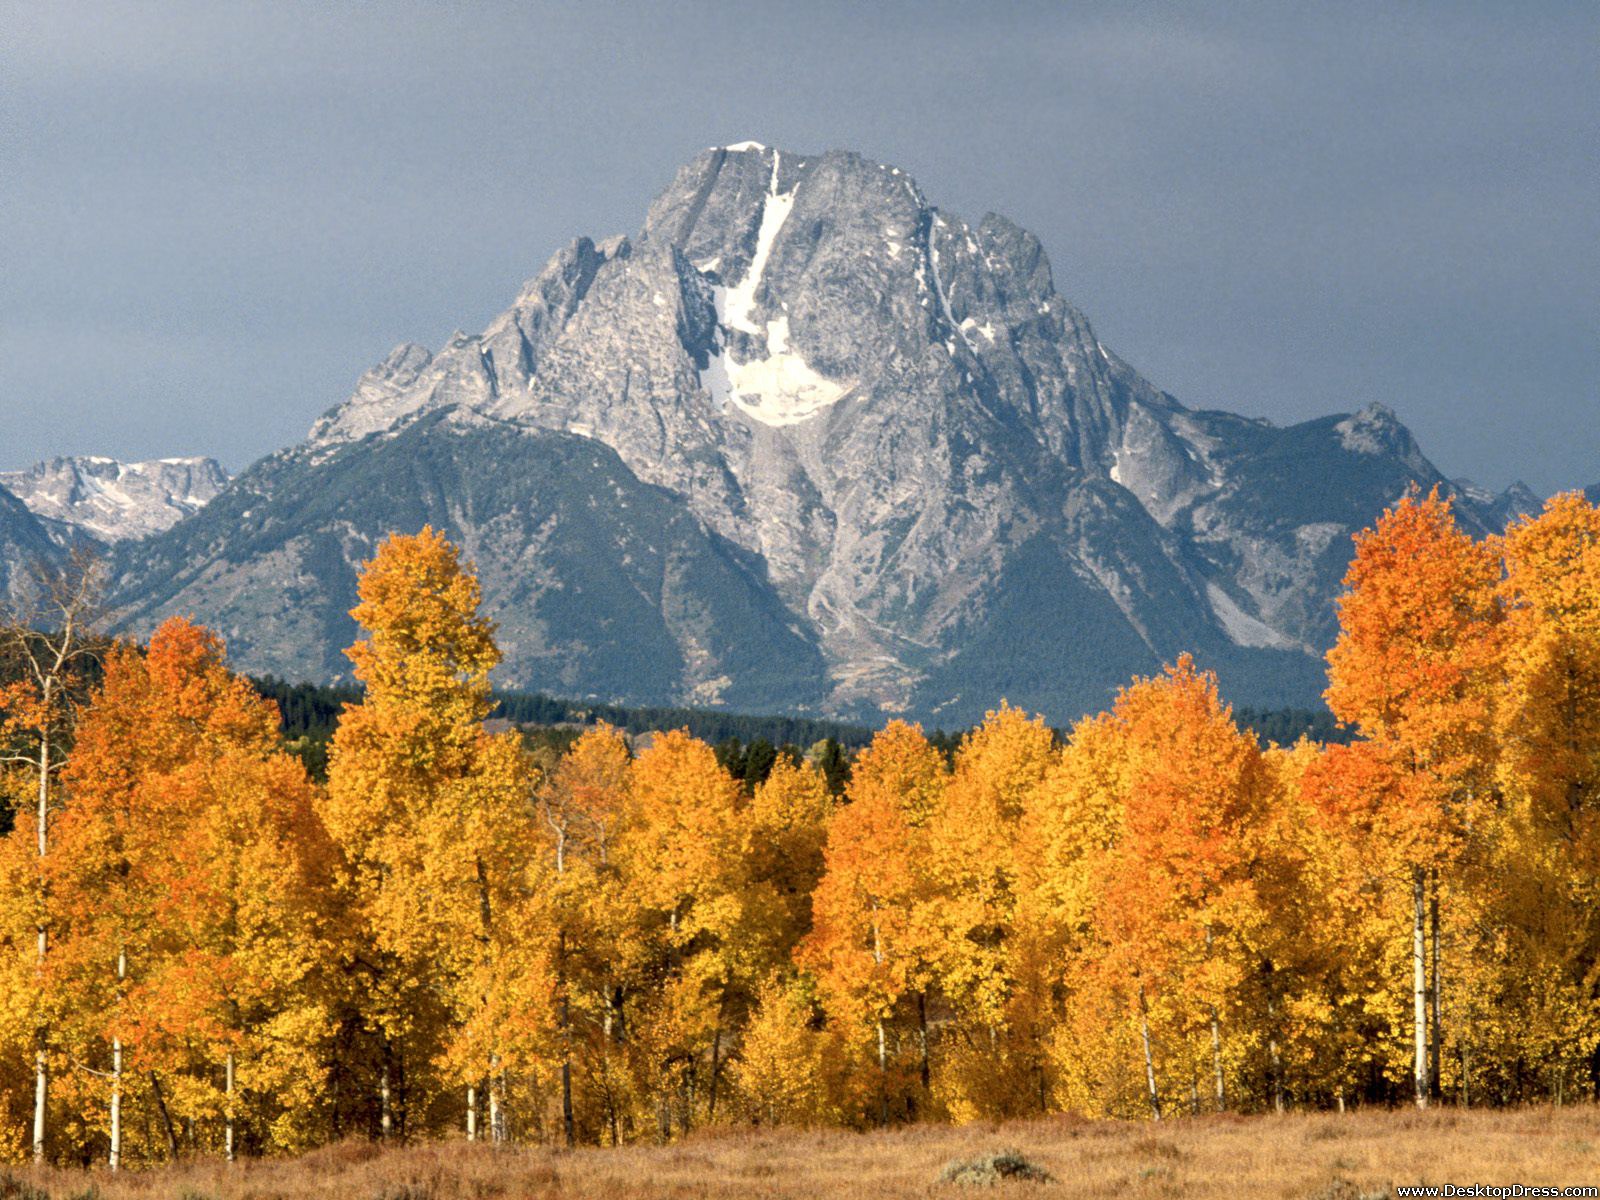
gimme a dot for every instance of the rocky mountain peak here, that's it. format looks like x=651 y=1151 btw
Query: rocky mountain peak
x=1375 y=430
x=115 y=501
x=1498 y=509
x=875 y=425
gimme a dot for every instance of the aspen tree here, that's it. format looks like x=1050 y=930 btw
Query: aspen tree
x=682 y=854
x=1179 y=898
x=972 y=843
x=785 y=830
x=1342 y=915
x=868 y=945
x=581 y=802
x=48 y=637
x=1413 y=669
x=214 y=934
x=431 y=813
x=1538 y=891
x=1137 y=849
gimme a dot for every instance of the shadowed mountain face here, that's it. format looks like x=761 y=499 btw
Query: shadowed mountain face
x=806 y=442
x=24 y=541
x=599 y=583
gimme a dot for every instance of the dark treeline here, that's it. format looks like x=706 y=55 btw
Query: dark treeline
x=747 y=745
x=708 y=725
x=1286 y=726
x=312 y=709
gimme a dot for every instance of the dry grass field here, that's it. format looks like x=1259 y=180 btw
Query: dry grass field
x=1323 y=1156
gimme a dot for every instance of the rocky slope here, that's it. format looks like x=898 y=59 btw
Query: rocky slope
x=24 y=541
x=600 y=584
x=114 y=501
x=807 y=442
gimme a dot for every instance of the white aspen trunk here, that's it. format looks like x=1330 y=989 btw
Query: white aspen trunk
x=663 y=1108
x=569 y=1132
x=496 y=1081
x=716 y=1068
x=44 y=792
x=883 y=1041
x=1216 y=1042
x=472 y=1113
x=41 y=1066
x=1419 y=987
x=1277 y=1075
x=1274 y=1060
x=227 y=1135
x=925 y=1069
x=497 y=1103
x=1436 y=1061
x=1149 y=1058
x=1216 y=1060
x=386 y=1109
x=41 y=1092
x=114 y=1159
x=883 y=1076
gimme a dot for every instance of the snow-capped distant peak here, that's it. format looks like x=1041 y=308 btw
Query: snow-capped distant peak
x=116 y=501
x=740 y=147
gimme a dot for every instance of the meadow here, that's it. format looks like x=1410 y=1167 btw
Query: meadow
x=1319 y=1156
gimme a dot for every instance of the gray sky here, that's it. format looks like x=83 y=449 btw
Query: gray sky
x=214 y=216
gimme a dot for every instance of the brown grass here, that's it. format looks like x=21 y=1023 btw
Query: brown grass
x=1323 y=1156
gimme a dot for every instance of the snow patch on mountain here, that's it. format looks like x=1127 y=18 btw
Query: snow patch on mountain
x=782 y=388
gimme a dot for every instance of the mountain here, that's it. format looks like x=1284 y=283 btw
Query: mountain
x=24 y=541
x=1497 y=510
x=113 y=501
x=806 y=442
x=600 y=583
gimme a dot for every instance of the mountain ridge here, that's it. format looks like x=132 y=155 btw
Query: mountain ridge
x=879 y=425
x=112 y=501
